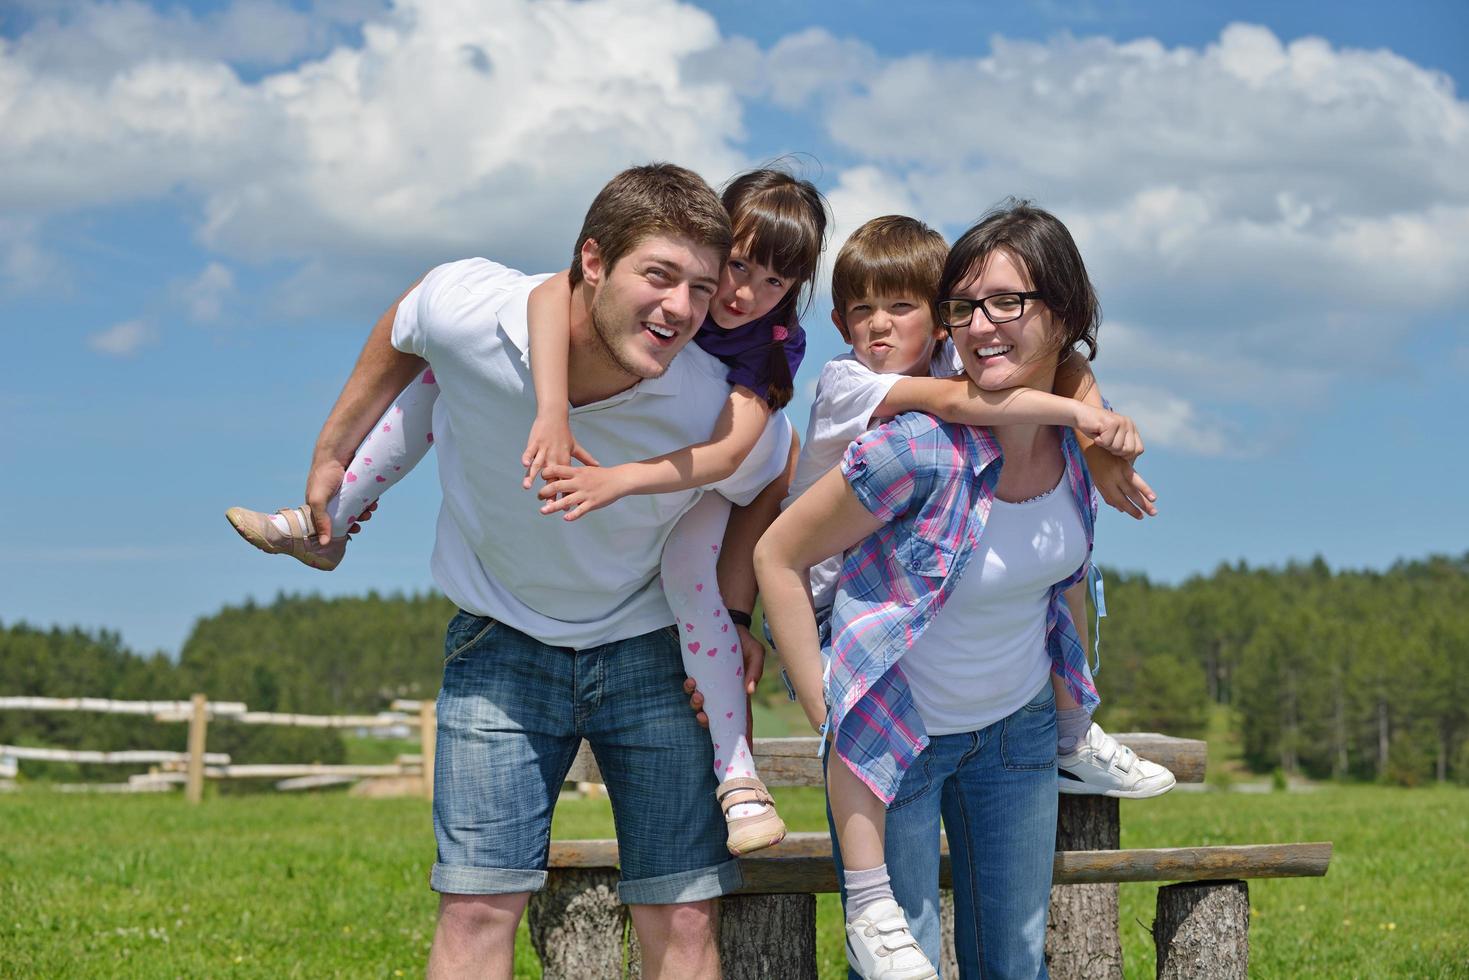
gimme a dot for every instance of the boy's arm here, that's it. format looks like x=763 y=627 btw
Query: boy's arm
x=1113 y=474
x=581 y=490
x=961 y=401
x=550 y=441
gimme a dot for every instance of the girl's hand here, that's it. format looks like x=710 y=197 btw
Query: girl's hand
x=1119 y=483
x=1117 y=434
x=579 y=490
x=550 y=444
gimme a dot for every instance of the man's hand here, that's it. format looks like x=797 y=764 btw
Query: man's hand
x=551 y=444
x=579 y=490
x=753 y=652
x=324 y=480
x=1115 y=433
x=1119 y=484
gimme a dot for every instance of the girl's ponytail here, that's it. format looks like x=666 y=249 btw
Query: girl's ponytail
x=778 y=369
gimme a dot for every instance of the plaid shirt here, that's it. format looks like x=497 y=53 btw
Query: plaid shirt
x=932 y=483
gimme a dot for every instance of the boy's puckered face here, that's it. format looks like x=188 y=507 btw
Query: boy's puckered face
x=890 y=334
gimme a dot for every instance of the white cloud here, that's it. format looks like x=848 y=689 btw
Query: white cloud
x=456 y=126
x=204 y=296
x=123 y=339
x=1170 y=422
x=25 y=265
x=1259 y=216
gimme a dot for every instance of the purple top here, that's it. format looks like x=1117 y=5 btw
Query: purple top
x=745 y=350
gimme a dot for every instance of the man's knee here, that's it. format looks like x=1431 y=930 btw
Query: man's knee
x=683 y=926
x=481 y=916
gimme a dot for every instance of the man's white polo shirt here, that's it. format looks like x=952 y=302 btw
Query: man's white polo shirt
x=577 y=584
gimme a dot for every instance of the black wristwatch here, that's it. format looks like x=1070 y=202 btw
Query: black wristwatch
x=740 y=618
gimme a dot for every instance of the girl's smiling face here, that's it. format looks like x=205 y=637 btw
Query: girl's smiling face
x=747 y=291
x=1020 y=352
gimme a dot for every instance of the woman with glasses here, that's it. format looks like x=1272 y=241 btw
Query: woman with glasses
x=962 y=592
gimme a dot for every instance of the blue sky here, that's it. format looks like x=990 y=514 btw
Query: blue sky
x=206 y=205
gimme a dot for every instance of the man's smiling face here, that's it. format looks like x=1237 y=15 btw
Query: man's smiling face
x=648 y=305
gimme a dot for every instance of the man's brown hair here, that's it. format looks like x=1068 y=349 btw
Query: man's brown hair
x=888 y=256
x=654 y=199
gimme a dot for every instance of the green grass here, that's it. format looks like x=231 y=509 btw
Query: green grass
x=333 y=886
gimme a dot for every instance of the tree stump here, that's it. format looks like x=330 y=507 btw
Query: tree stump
x=1202 y=929
x=948 y=963
x=576 y=925
x=1081 y=934
x=633 y=959
x=763 y=936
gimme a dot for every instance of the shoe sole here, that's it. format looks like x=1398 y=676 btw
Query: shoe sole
x=1073 y=788
x=749 y=846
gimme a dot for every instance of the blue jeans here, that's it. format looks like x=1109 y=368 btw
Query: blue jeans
x=512 y=713
x=996 y=791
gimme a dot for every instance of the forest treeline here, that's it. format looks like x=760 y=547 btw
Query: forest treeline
x=1353 y=674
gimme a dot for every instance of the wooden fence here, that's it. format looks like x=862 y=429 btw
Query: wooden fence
x=192 y=767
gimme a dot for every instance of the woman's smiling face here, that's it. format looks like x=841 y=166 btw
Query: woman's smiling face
x=1020 y=352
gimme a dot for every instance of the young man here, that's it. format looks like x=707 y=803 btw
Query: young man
x=563 y=632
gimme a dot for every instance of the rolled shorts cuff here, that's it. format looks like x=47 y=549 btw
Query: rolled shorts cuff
x=683 y=886
x=458 y=879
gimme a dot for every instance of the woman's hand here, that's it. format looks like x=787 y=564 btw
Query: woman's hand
x=551 y=444
x=1119 y=484
x=1117 y=434
x=579 y=490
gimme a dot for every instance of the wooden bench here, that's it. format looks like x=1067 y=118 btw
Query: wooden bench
x=769 y=927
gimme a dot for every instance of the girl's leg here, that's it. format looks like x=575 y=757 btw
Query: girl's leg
x=710 y=646
x=393 y=447
x=396 y=444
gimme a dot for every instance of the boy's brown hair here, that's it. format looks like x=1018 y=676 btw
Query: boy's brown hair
x=654 y=199
x=888 y=256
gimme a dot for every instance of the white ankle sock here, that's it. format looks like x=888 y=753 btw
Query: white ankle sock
x=284 y=526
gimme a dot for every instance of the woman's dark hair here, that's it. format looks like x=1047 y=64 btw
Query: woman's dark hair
x=1043 y=245
x=779 y=221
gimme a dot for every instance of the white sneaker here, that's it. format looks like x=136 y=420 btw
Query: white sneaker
x=880 y=946
x=1102 y=767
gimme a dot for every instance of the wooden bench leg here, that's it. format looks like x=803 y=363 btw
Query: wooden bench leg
x=1202 y=929
x=763 y=936
x=577 y=924
x=1081 y=934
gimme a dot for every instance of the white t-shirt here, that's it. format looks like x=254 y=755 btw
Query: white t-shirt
x=578 y=584
x=847 y=393
x=984 y=655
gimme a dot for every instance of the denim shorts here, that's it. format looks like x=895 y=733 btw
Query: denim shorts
x=512 y=714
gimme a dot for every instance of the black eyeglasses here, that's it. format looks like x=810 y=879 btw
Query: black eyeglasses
x=999 y=308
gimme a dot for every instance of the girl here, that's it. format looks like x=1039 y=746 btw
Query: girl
x=964 y=591
x=779 y=224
